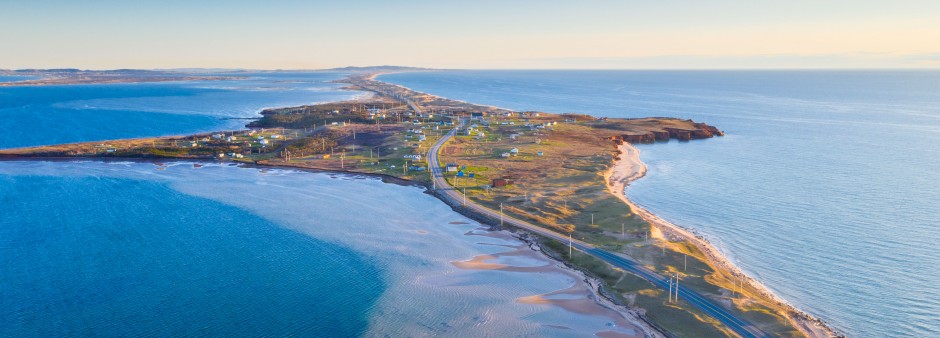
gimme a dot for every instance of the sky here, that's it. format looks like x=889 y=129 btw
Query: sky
x=521 y=34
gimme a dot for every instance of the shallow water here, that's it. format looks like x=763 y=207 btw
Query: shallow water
x=825 y=188
x=124 y=248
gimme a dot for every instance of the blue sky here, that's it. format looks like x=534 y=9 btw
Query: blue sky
x=471 y=34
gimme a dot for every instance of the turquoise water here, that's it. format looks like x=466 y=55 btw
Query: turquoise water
x=41 y=115
x=825 y=188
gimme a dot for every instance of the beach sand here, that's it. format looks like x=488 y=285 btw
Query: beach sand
x=628 y=167
x=583 y=297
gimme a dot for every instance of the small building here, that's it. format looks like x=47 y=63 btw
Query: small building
x=477 y=116
x=504 y=155
x=540 y=153
x=263 y=142
x=451 y=167
x=231 y=139
x=460 y=173
x=481 y=135
x=422 y=137
x=501 y=182
x=514 y=151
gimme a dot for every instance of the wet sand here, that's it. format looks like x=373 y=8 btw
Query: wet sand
x=581 y=298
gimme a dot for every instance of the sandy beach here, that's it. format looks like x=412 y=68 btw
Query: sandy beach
x=628 y=167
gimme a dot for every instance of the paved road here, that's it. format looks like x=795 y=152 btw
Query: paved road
x=738 y=325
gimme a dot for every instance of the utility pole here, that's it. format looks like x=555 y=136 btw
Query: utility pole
x=677 y=287
x=500 y=214
x=592 y=218
x=569 y=245
x=685 y=263
x=670 y=289
x=464 y=196
x=622 y=232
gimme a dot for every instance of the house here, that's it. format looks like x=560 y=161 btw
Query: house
x=217 y=136
x=231 y=139
x=501 y=182
x=263 y=142
x=540 y=153
x=422 y=137
x=477 y=116
x=451 y=167
x=505 y=155
x=460 y=174
x=513 y=136
x=481 y=135
x=514 y=151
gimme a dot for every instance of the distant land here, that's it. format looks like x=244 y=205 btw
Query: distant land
x=61 y=76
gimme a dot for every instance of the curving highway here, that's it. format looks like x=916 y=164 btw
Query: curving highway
x=739 y=325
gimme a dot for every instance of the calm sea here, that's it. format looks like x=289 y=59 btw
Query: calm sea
x=825 y=188
x=40 y=115
x=93 y=248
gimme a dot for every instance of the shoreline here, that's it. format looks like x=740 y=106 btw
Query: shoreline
x=583 y=279
x=627 y=168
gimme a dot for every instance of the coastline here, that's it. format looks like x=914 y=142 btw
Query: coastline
x=624 y=317
x=627 y=167
x=593 y=284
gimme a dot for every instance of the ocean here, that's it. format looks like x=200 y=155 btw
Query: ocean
x=42 y=115
x=124 y=248
x=824 y=189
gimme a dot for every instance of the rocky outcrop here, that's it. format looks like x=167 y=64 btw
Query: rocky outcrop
x=700 y=131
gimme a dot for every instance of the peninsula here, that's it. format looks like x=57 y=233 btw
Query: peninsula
x=557 y=178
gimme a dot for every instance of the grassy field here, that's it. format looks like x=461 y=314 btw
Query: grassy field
x=563 y=189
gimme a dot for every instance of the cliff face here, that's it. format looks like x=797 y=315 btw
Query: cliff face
x=699 y=131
